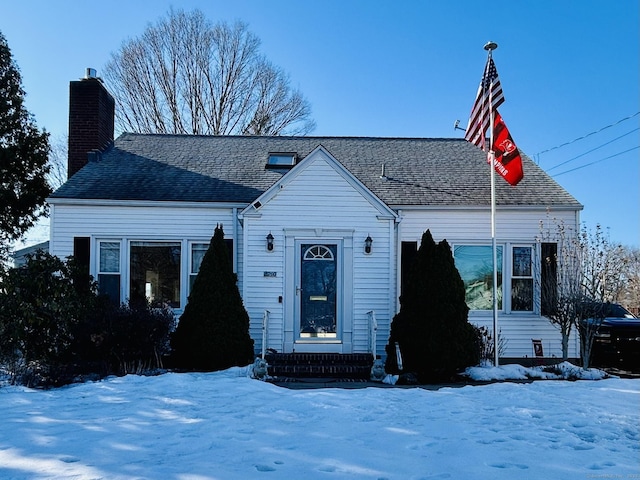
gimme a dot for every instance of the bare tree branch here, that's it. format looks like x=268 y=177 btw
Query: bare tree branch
x=185 y=75
x=583 y=274
x=57 y=174
x=560 y=278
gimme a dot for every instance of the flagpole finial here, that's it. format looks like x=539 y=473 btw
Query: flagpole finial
x=489 y=46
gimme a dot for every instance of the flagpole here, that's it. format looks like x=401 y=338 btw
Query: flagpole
x=489 y=47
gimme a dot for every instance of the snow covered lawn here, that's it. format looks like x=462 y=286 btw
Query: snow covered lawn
x=226 y=426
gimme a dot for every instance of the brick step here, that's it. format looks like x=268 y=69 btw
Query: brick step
x=320 y=365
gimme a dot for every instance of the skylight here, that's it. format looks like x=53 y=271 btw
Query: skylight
x=281 y=160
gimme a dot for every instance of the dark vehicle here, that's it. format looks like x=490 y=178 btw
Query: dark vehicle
x=617 y=342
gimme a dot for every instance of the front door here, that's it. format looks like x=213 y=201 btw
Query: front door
x=317 y=292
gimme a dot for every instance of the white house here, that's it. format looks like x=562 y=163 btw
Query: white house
x=321 y=229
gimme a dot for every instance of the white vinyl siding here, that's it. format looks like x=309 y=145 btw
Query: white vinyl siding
x=514 y=228
x=131 y=223
x=459 y=225
x=320 y=205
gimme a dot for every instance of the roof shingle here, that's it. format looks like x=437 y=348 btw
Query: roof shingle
x=418 y=171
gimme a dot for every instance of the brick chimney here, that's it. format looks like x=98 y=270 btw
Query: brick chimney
x=91 y=119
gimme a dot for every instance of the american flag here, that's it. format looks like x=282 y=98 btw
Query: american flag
x=488 y=99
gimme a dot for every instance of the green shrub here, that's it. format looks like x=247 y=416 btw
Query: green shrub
x=41 y=304
x=213 y=331
x=130 y=338
x=432 y=329
x=54 y=327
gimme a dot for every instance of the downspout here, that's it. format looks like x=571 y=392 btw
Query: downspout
x=234 y=232
x=396 y=302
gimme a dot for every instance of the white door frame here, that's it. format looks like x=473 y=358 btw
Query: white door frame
x=294 y=238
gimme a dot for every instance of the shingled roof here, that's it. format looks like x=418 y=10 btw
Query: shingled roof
x=418 y=171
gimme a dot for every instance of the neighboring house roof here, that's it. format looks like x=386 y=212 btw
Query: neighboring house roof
x=418 y=171
x=20 y=256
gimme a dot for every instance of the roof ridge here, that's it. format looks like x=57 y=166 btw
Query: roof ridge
x=291 y=137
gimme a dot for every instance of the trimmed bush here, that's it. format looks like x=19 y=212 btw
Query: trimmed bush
x=432 y=329
x=213 y=331
x=130 y=338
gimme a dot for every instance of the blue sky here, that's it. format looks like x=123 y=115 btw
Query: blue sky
x=403 y=69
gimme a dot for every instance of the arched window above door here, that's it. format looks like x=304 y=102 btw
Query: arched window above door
x=318 y=252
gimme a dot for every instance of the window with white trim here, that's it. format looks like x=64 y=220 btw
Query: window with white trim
x=109 y=269
x=154 y=272
x=515 y=276
x=521 y=278
x=475 y=264
x=154 y=269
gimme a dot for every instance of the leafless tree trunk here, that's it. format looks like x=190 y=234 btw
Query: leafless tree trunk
x=185 y=75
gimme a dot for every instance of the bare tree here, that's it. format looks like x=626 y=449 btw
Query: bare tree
x=579 y=273
x=630 y=294
x=185 y=75
x=57 y=174
x=603 y=265
x=560 y=278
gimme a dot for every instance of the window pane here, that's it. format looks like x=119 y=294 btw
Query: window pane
x=110 y=285
x=286 y=159
x=82 y=253
x=197 y=254
x=408 y=254
x=521 y=261
x=475 y=264
x=110 y=257
x=549 y=278
x=155 y=272
x=522 y=294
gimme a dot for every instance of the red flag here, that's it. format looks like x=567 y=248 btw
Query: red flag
x=488 y=98
x=507 y=160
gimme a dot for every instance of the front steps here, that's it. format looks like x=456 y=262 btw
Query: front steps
x=343 y=366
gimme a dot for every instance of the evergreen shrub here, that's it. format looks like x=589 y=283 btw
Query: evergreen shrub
x=213 y=331
x=432 y=330
x=41 y=305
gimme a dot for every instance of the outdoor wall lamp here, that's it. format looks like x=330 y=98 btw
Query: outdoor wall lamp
x=367 y=244
x=269 y=242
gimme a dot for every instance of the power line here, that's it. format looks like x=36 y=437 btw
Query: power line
x=593 y=149
x=587 y=135
x=597 y=161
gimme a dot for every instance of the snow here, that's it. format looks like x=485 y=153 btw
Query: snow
x=225 y=425
x=564 y=370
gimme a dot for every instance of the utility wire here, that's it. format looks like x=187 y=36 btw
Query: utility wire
x=597 y=161
x=593 y=149
x=587 y=135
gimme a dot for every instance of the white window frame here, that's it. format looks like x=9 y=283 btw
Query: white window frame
x=99 y=271
x=531 y=276
x=190 y=271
